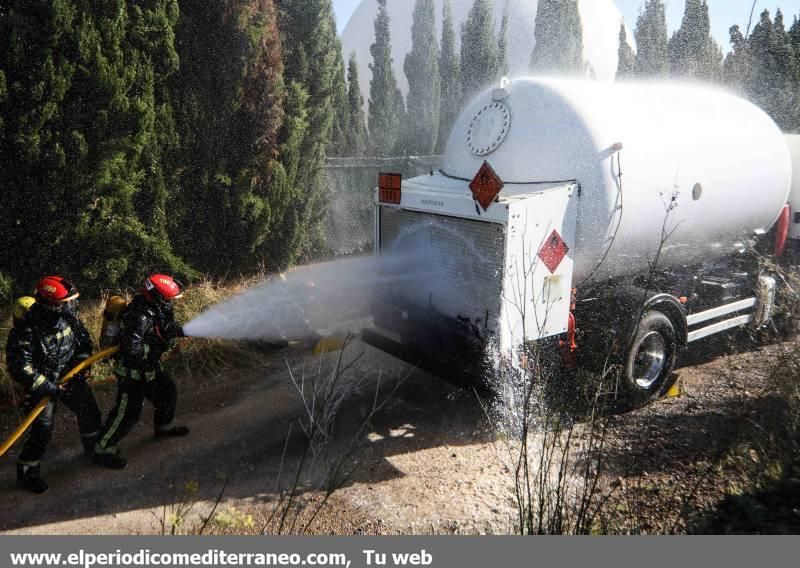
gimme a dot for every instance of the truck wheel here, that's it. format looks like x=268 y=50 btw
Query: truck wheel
x=651 y=358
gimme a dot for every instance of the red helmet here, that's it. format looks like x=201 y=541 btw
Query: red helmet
x=52 y=290
x=159 y=286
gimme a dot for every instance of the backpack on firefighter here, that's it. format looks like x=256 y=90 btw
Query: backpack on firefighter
x=112 y=319
x=21 y=307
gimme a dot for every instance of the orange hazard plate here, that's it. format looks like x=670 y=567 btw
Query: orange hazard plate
x=389 y=186
x=486 y=186
x=553 y=251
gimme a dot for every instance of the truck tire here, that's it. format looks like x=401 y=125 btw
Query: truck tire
x=650 y=359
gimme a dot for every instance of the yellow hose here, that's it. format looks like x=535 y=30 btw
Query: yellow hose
x=42 y=403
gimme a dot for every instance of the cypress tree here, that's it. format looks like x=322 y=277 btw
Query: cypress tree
x=794 y=36
x=450 y=73
x=737 y=64
x=342 y=119
x=385 y=100
x=357 y=137
x=311 y=51
x=291 y=229
x=127 y=55
x=764 y=77
x=479 y=60
x=229 y=110
x=773 y=80
x=37 y=77
x=788 y=89
x=651 y=41
x=502 y=45
x=402 y=146
x=153 y=34
x=3 y=95
x=626 y=57
x=794 y=39
x=81 y=150
x=559 y=38
x=763 y=68
x=693 y=53
x=421 y=67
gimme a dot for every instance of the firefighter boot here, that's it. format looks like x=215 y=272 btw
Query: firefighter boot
x=111 y=461
x=89 y=441
x=171 y=432
x=28 y=477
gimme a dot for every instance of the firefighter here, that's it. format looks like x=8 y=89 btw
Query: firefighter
x=147 y=331
x=45 y=343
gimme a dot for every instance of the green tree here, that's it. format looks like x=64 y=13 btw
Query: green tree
x=693 y=53
x=763 y=67
x=502 y=44
x=450 y=73
x=37 y=77
x=651 y=41
x=385 y=99
x=86 y=124
x=153 y=36
x=479 y=60
x=126 y=56
x=424 y=83
x=357 y=137
x=773 y=78
x=794 y=38
x=311 y=52
x=229 y=111
x=291 y=226
x=342 y=119
x=626 y=57
x=559 y=38
x=3 y=95
x=737 y=64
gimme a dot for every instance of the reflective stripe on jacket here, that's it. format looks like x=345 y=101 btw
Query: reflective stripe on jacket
x=44 y=345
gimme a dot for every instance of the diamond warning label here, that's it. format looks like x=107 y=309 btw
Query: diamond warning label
x=553 y=251
x=486 y=186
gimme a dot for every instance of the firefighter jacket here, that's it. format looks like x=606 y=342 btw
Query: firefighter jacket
x=147 y=331
x=43 y=346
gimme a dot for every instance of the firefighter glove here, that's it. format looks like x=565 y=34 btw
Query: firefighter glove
x=50 y=389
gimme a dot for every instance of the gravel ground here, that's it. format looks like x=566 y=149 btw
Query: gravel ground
x=426 y=462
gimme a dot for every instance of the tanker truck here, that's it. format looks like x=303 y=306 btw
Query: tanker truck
x=588 y=218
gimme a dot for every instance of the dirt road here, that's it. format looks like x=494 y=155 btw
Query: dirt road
x=427 y=463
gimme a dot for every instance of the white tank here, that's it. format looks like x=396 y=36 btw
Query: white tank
x=725 y=159
x=793 y=141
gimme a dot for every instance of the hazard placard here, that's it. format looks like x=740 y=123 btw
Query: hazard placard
x=389 y=188
x=486 y=186
x=553 y=251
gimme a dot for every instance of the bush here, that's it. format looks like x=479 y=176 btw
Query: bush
x=6 y=288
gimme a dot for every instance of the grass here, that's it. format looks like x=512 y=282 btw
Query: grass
x=6 y=286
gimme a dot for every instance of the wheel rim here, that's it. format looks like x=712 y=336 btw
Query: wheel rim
x=650 y=359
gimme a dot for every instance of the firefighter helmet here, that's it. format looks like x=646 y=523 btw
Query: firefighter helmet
x=55 y=290
x=22 y=305
x=162 y=287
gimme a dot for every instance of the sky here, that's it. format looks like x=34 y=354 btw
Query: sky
x=724 y=13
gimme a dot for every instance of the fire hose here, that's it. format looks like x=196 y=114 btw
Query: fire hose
x=40 y=407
